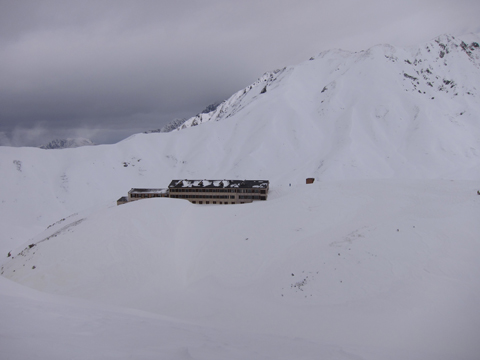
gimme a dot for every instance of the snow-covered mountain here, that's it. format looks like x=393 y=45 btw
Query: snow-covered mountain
x=382 y=112
x=377 y=259
x=434 y=69
x=67 y=143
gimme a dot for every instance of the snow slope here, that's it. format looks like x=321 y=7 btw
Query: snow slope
x=369 y=267
x=40 y=326
x=377 y=259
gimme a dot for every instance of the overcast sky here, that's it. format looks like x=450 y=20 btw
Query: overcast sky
x=107 y=69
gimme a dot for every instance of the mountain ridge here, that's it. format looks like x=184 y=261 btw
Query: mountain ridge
x=68 y=143
x=443 y=45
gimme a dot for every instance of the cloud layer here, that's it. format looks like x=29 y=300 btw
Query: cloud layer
x=112 y=68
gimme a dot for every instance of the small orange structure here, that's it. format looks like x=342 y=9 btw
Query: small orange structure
x=310 y=180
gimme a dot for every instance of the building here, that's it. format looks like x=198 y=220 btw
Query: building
x=137 y=194
x=122 y=200
x=219 y=192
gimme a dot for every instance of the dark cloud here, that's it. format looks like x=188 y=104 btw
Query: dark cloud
x=111 y=68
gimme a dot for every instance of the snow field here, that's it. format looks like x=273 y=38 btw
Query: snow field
x=321 y=262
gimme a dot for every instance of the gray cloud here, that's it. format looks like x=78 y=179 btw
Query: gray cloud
x=111 y=68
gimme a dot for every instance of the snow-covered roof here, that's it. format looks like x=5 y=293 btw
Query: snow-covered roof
x=219 y=184
x=148 y=191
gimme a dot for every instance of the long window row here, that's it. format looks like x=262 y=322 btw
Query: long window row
x=146 y=195
x=214 y=202
x=202 y=190
x=202 y=196
x=257 y=191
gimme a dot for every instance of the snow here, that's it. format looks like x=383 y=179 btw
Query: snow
x=377 y=259
x=367 y=287
x=206 y=183
x=152 y=191
x=65 y=328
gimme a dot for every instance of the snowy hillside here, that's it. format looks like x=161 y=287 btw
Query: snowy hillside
x=353 y=269
x=375 y=260
x=78 y=330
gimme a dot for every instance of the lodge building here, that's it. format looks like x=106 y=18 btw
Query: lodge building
x=221 y=192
